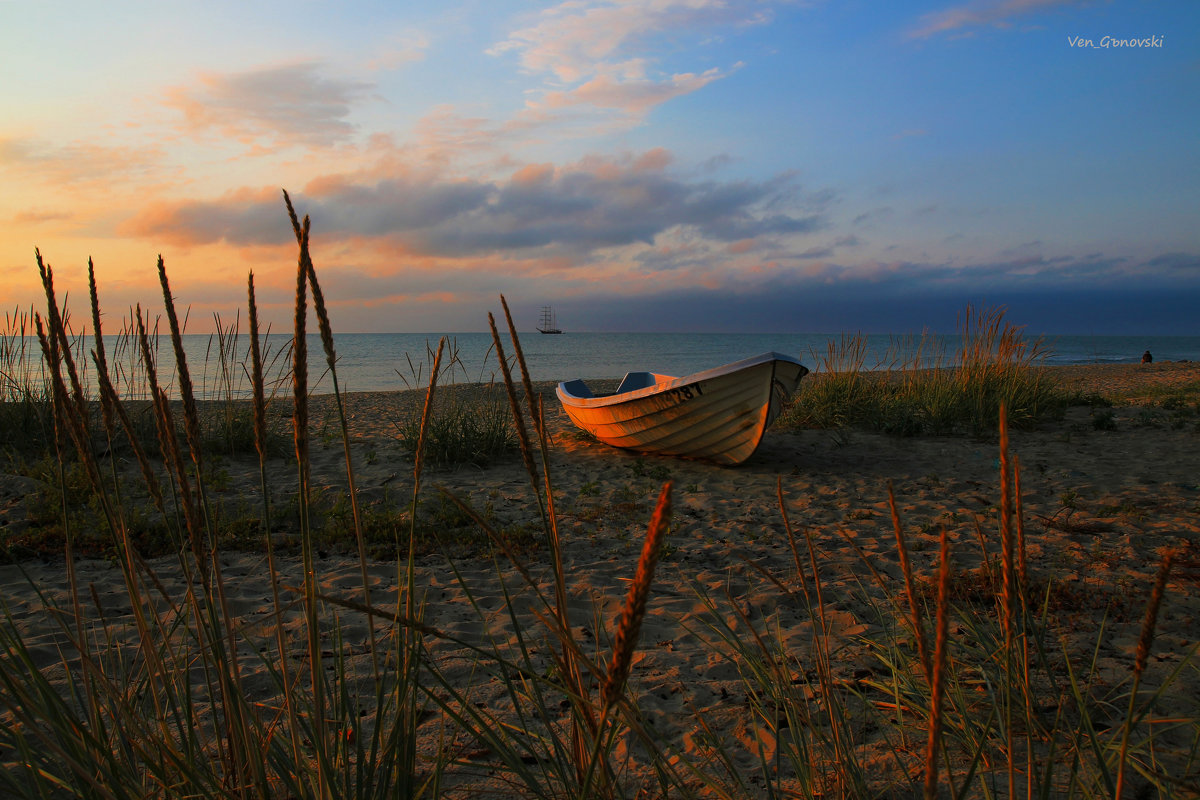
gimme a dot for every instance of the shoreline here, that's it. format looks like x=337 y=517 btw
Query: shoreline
x=1133 y=384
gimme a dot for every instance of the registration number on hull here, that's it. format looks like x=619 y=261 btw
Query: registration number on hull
x=681 y=394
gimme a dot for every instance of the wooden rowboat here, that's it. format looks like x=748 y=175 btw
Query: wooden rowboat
x=719 y=415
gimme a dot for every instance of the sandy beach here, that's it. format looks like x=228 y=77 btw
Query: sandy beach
x=1105 y=491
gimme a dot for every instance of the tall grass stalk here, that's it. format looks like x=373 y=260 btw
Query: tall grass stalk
x=584 y=724
x=331 y=359
x=217 y=633
x=323 y=777
x=937 y=675
x=260 y=440
x=914 y=608
x=1145 y=640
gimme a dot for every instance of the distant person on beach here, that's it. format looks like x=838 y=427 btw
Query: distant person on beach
x=1147 y=358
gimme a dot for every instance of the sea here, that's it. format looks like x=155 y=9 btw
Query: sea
x=396 y=361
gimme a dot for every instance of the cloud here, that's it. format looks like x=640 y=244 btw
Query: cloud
x=280 y=106
x=873 y=215
x=1175 y=264
x=443 y=137
x=633 y=96
x=79 y=163
x=403 y=48
x=539 y=211
x=34 y=217
x=244 y=217
x=572 y=38
x=994 y=13
x=592 y=50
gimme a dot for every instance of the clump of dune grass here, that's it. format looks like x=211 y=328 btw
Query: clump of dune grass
x=116 y=377
x=917 y=388
x=25 y=408
x=468 y=423
x=966 y=693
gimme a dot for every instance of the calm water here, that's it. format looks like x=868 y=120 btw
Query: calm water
x=372 y=362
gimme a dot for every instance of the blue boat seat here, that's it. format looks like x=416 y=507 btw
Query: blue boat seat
x=636 y=380
x=578 y=388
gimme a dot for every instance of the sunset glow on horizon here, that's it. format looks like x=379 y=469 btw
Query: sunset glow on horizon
x=654 y=165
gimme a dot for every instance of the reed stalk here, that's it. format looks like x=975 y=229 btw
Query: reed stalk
x=824 y=668
x=791 y=537
x=109 y=396
x=1141 y=654
x=202 y=536
x=259 y=402
x=634 y=611
x=426 y=416
x=59 y=418
x=321 y=745
x=98 y=352
x=218 y=631
x=938 y=676
x=574 y=668
x=168 y=445
x=57 y=328
x=535 y=413
x=1008 y=600
x=112 y=411
x=191 y=416
x=410 y=643
x=584 y=724
x=1022 y=583
x=68 y=415
x=914 y=608
x=326 y=331
x=519 y=423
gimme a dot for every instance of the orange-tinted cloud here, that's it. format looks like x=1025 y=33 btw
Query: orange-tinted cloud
x=243 y=217
x=36 y=217
x=79 y=163
x=539 y=211
x=285 y=105
x=963 y=18
x=632 y=96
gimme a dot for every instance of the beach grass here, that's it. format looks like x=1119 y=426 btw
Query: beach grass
x=958 y=682
x=917 y=388
x=470 y=424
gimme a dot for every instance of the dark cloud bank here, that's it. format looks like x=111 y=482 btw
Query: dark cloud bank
x=569 y=212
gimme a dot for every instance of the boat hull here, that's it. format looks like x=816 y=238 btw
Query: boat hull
x=719 y=415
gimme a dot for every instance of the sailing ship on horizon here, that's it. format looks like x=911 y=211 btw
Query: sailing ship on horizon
x=549 y=323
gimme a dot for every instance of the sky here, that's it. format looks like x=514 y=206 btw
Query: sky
x=640 y=165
